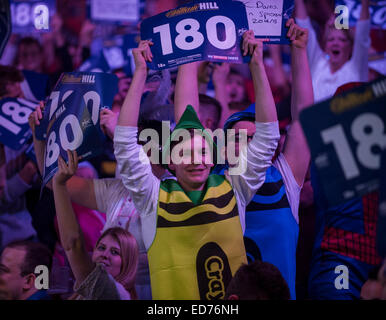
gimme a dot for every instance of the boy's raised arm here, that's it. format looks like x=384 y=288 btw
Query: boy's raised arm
x=130 y=109
x=296 y=150
x=264 y=102
x=186 y=91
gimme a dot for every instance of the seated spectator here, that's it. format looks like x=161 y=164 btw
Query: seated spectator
x=10 y=79
x=2 y=171
x=258 y=281
x=110 y=273
x=15 y=219
x=30 y=55
x=18 y=264
x=229 y=88
x=373 y=288
x=209 y=112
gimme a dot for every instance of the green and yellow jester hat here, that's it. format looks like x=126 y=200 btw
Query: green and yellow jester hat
x=189 y=120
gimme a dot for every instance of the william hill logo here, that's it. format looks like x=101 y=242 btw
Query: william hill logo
x=213 y=272
x=69 y=78
x=354 y=99
x=208 y=6
x=197 y=7
x=89 y=78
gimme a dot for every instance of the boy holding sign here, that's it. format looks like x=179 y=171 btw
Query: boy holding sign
x=191 y=224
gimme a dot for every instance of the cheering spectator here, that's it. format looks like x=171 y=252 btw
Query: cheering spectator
x=229 y=87
x=343 y=60
x=109 y=196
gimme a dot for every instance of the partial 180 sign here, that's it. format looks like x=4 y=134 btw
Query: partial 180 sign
x=346 y=136
x=30 y=14
x=18 y=113
x=368 y=130
x=70 y=133
x=14 y=126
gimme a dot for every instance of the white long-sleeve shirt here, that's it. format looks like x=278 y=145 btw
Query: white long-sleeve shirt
x=356 y=69
x=136 y=174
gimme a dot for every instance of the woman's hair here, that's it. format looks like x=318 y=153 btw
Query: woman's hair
x=129 y=255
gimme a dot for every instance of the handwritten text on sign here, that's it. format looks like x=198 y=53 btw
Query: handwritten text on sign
x=267 y=18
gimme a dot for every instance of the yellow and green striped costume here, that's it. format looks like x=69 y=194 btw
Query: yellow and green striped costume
x=197 y=248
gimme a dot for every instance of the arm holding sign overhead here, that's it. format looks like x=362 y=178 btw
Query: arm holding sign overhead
x=219 y=77
x=296 y=151
x=365 y=11
x=129 y=113
x=264 y=103
x=39 y=145
x=80 y=190
x=133 y=164
x=186 y=91
x=314 y=51
x=362 y=42
x=2 y=155
x=70 y=233
x=257 y=157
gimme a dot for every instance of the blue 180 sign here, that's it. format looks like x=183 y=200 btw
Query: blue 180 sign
x=346 y=136
x=14 y=127
x=197 y=31
x=33 y=15
x=71 y=116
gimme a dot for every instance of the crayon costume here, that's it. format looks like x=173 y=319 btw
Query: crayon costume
x=271 y=218
x=194 y=239
x=209 y=235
